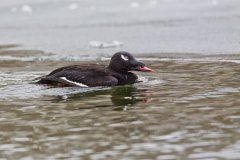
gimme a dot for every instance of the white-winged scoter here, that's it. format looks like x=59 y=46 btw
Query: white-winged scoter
x=116 y=73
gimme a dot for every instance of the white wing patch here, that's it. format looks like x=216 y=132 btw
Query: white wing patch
x=76 y=83
x=125 y=58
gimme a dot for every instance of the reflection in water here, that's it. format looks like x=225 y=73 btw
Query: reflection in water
x=127 y=95
x=81 y=94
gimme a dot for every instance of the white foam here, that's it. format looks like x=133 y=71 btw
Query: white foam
x=99 y=44
x=26 y=8
x=134 y=4
x=152 y=3
x=73 y=6
x=215 y=2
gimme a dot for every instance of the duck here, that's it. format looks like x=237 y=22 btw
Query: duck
x=118 y=72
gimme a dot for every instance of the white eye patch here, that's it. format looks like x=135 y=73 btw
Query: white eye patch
x=125 y=58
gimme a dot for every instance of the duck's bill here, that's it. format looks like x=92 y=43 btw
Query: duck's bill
x=145 y=69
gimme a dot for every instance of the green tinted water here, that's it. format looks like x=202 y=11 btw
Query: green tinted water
x=188 y=109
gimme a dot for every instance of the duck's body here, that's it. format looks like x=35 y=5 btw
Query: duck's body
x=117 y=73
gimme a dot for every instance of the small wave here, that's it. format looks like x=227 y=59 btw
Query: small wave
x=219 y=92
x=26 y=91
x=19 y=85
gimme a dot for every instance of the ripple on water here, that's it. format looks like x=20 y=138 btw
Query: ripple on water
x=26 y=90
x=230 y=152
x=121 y=122
x=218 y=92
x=17 y=85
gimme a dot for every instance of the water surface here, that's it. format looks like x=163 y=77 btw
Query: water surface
x=69 y=26
x=188 y=109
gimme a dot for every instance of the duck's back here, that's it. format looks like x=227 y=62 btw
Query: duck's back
x=80 y=75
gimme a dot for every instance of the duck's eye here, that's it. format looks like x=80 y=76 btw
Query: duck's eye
x=125 y=58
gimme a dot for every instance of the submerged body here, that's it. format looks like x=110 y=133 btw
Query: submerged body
x=116 y=73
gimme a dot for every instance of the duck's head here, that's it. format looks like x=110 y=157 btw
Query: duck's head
x=123 y=62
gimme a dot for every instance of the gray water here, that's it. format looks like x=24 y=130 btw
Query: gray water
x=144 y=26
x=188 y=109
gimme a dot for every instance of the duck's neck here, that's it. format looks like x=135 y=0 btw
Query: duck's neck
x=117 y=69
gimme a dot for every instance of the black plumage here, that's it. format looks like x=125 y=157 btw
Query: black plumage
x=116 y=73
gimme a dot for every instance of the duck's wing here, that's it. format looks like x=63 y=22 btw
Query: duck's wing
x=78 y=76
